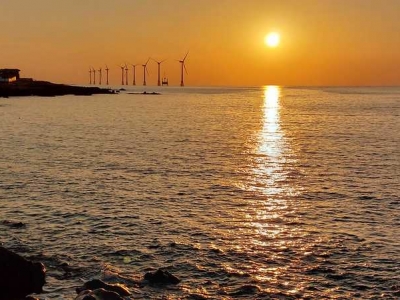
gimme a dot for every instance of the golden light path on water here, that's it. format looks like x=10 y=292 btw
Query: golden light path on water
x=268 y=171
x=272 y=165
x=272 y=150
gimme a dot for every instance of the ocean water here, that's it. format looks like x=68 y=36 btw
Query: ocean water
x=242 y=193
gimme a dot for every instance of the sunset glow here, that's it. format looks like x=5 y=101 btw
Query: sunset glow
x=329 y=43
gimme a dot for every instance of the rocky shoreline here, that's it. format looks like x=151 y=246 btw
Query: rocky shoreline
x=20 y=278
x=26 y=87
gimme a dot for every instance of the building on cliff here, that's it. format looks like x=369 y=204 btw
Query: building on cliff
x=9 y=75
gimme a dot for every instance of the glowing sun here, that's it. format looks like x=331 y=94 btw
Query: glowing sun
x=272 y=39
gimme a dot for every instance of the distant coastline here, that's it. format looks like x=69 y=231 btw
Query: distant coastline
x=28 y=87
x=11 y=85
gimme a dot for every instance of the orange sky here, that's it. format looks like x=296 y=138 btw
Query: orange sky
x=323 y=42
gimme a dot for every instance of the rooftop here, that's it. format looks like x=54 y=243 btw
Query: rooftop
x=9 y=73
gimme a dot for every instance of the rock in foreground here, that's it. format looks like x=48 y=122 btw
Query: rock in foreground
x=23 y=88
x=161 y=277
x=96 y=284
x=18 y=276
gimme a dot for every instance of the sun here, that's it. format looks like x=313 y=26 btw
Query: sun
x=272 y=39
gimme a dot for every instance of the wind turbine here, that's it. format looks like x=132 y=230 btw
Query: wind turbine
x=159 y=70
x=134 y=74
x=107 y=73
x=126 y=74
x=182 y=62
x=90 y=74
x=122 y=74
x=99 y=70
x=144 y=71
x=94 y=76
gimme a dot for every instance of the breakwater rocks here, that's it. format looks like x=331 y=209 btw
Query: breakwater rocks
x=25 y=88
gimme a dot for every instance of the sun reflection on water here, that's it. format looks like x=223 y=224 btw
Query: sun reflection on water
x=269 y=175
x=272 y=212
x=271 y=137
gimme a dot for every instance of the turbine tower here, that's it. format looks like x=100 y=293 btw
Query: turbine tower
x=90 y=75
x=144 y=71
x=134 y=74
x=126 y=74
x=183 y=66
x=122 y=74
x=107 y=73
x=99 y=70
x=94 y=76
x=159 y=70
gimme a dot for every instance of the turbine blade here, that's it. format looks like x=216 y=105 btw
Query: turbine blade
x=185 y=56
x=184 y=66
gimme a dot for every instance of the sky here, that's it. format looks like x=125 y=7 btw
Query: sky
x=323 y=42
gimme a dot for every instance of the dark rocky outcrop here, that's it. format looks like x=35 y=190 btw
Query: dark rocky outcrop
x=46 y=89
x=19 y=277
x=96 y=284
x=161 y=277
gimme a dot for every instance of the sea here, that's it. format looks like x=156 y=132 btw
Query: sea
x=242 y=193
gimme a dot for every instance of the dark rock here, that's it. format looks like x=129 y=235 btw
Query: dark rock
x=153 y=93
x=161 y=277
x=19 y=277
x=13 y=224
x=98 y=294
x=144 y=93
x=98 y=284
